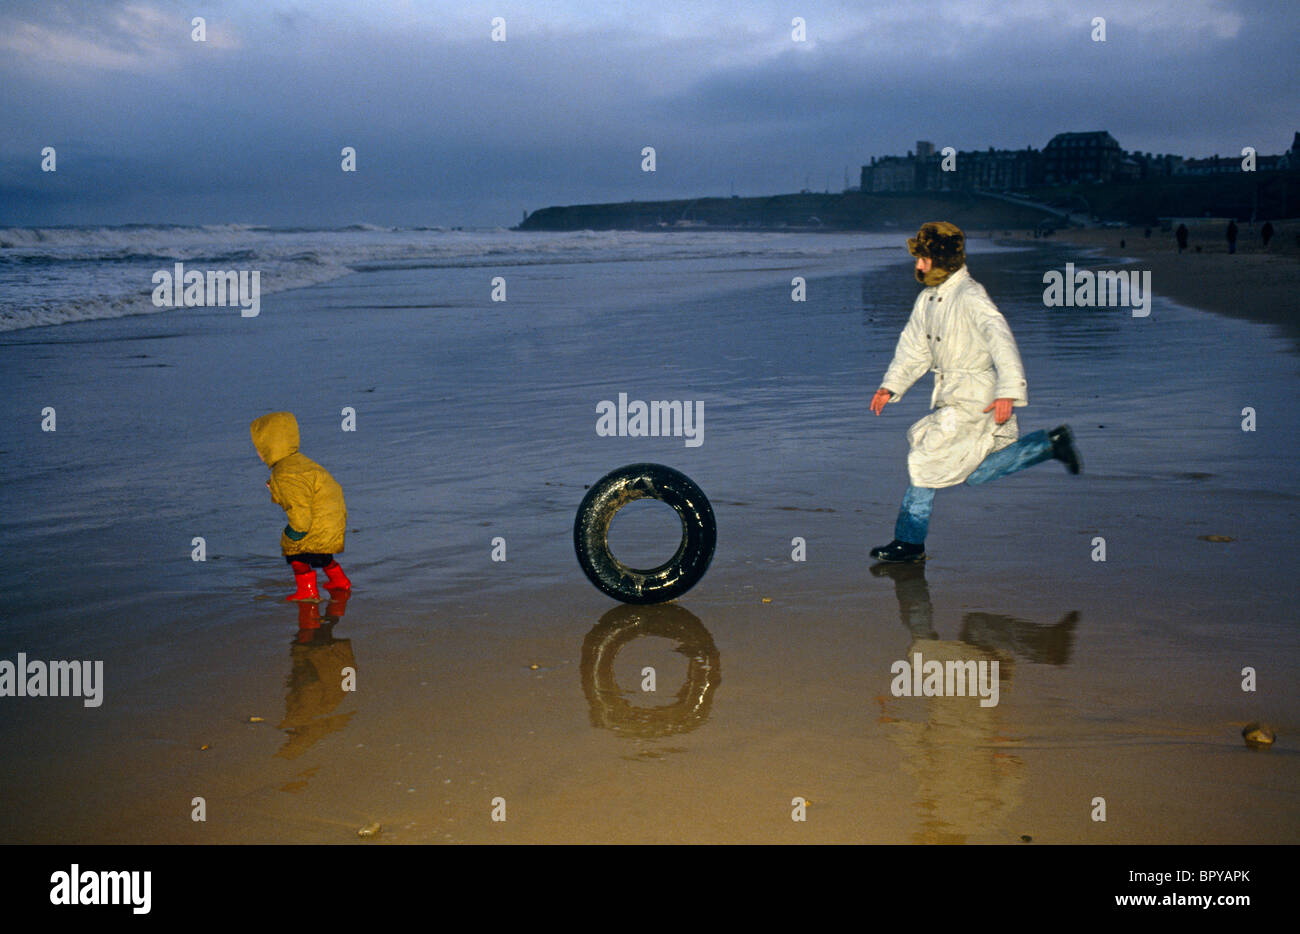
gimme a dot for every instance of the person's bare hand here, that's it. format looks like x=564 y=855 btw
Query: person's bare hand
x=1001 y=409
x=878 y=401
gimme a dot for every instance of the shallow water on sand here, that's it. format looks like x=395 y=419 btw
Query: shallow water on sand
x=476 y=420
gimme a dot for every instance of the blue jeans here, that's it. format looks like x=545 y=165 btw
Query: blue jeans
x=914 y=516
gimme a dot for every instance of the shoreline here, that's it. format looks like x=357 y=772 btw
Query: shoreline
x=477 y=679
x=1252 y=284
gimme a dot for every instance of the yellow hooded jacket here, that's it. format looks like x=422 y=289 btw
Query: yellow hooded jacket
x=305 y=490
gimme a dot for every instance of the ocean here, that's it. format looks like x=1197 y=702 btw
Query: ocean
x=57 y=275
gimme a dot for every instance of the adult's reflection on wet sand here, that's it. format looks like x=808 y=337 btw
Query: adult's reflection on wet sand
x=609 y=706
x=967 y=773
x=316 y=678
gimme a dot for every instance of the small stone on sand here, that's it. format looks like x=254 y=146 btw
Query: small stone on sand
x=1258 y=734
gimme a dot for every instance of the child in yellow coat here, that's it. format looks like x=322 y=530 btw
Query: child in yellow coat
x=312 y=500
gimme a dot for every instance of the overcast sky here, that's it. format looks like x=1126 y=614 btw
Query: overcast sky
x=451 y=127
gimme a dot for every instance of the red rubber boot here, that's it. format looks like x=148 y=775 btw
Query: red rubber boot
x=336 y=579
x=304 y=576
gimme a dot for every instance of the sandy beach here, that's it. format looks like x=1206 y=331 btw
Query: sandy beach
x=516 y=686
x=1255 y=283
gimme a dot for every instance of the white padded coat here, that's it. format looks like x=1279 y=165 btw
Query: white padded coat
x=956 y=331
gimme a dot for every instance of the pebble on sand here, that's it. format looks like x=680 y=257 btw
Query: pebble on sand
x=1258 y=734
x=370 y=830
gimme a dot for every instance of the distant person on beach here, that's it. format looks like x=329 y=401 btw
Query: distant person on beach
x=1266 y=233
x=970 y=434
x=312 y=500
x=1232 y=236
x=1181 y=236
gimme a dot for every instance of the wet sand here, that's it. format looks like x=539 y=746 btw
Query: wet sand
x=478 y=679
x=1255 y=283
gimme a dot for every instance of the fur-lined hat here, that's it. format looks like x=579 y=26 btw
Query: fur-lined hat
x=942 y=242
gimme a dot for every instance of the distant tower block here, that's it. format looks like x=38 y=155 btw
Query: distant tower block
x=924 y=149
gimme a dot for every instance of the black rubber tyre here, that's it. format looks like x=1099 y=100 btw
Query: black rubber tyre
x=679 y=573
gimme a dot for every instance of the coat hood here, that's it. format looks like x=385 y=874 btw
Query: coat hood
x=275 y=436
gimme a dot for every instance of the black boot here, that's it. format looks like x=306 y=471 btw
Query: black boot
x=898 y=552
x=1063 y=448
